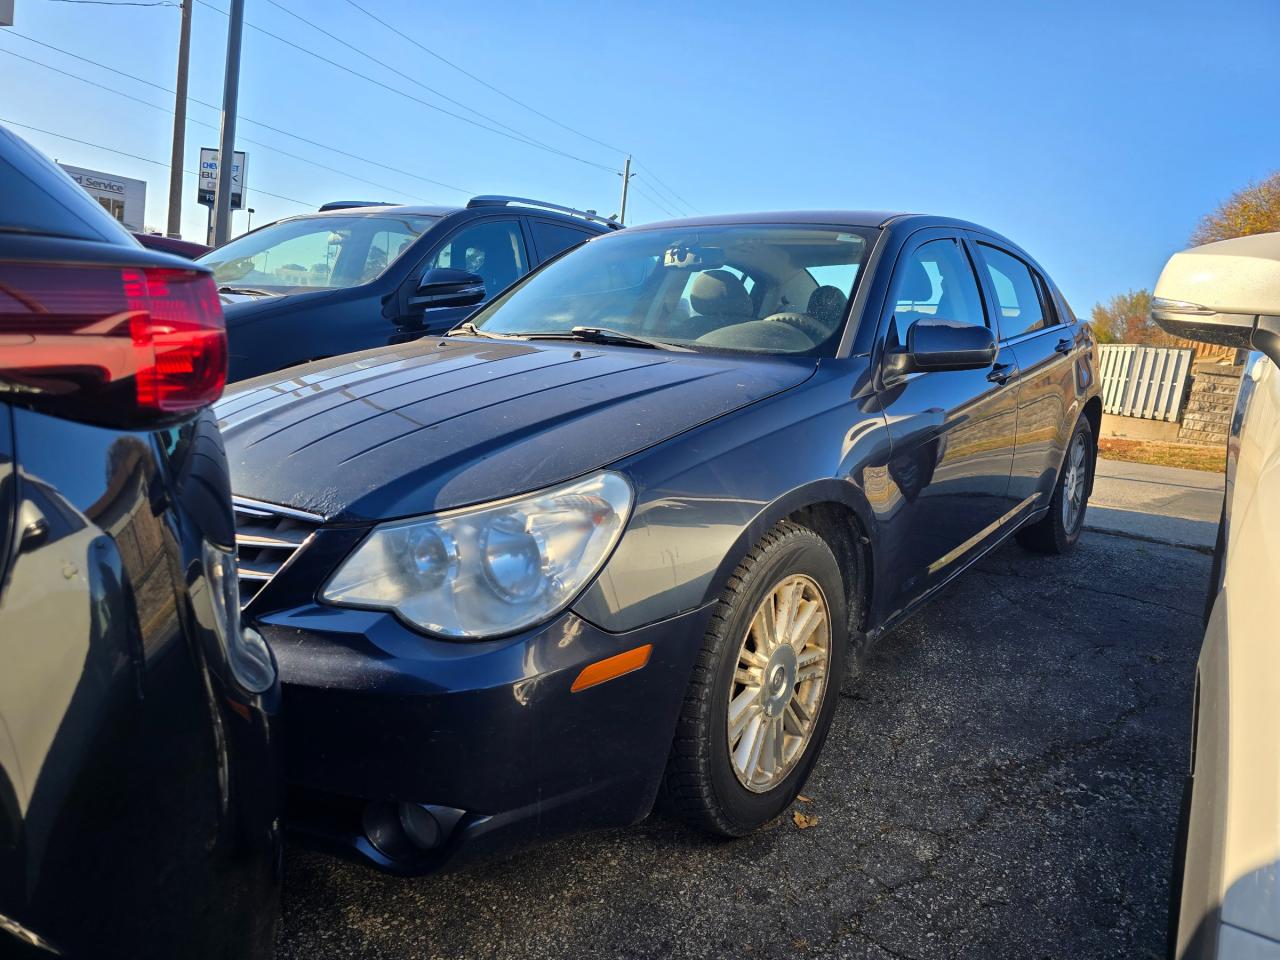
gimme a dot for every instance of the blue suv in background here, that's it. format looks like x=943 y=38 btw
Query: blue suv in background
x=359 y=274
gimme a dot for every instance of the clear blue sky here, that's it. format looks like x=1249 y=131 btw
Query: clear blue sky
x=1093 y=133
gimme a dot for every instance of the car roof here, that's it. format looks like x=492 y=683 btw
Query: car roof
x=390 y=209
x=437 y=210
x=852 y=218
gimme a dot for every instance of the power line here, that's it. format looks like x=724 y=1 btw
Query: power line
x=654 y=200
x=121 y=3
x=134 y=156
x=660 y=194
x=416 y=82
x=419 y=100
x=484 y=83
x=502 y=93
x=211 y=126
x=203 y=103
x=675 y=196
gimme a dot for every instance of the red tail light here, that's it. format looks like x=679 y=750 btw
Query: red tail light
x=113 y=345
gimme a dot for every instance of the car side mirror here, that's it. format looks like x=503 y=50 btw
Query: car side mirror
x=937 y=344
x=443 y=287
x=1226 y=293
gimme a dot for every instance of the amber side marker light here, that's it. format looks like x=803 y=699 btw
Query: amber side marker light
x=612 y=667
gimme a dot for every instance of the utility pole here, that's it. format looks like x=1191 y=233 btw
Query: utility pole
x=227 y=143
x=626 y=181
x=179 y=125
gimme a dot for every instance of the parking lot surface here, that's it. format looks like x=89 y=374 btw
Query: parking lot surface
x=1001 y=780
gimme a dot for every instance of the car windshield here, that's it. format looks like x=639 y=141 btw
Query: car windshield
x=321 y=252
x=766 y=288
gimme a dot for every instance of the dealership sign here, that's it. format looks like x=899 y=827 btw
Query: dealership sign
x=123 y=197
x=209 y=177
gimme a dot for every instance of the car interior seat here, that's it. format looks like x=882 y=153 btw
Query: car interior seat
x=719 y=299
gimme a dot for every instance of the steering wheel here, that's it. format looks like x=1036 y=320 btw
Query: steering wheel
x=806 y=324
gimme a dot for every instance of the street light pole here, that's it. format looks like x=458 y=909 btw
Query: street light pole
x=227 y=143
x=179 y=125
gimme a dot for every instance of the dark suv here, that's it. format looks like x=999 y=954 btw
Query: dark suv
x=360 y=274
x=139 y=794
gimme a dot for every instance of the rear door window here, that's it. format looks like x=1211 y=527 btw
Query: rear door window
x=1021 y=294
x=551 y=237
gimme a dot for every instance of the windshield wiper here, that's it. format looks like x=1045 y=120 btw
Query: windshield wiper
x=469 y=329
x=606 y=335
x=247 y=291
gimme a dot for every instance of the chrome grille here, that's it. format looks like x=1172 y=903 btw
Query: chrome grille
x=267 y=537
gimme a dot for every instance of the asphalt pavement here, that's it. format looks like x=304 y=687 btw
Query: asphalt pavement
x=1165 y=504
x=1001 y=781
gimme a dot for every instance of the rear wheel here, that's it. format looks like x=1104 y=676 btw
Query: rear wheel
x=764 y=687
x=1059 y=529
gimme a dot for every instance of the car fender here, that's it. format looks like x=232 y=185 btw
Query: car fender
x=704 y=498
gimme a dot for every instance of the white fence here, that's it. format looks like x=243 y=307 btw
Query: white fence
x=1146 y=382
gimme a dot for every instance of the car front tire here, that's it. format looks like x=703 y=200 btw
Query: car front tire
x=764 y=687
x=1059 y=529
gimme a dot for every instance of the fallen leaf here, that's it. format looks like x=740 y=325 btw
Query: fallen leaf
x=804 y=820
x=803 y=799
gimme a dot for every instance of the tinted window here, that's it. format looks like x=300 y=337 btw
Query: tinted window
x=937 y=281
x=1020 y=293
x=493 y=250
x=551 y=238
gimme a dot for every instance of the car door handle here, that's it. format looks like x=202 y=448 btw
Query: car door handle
x=1001 y=373
x=1064 y=345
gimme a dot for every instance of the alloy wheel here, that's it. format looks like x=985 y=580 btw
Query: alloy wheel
x=1074 y=483
x=780 y=679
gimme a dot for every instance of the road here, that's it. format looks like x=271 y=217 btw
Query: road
x=1160 y=503
x=1001 y=781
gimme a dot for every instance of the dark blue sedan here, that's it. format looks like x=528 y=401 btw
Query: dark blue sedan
x=618 y=537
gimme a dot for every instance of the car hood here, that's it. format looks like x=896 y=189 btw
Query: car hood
x=433 y=425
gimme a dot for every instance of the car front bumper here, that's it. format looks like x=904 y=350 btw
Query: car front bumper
x=375 y=715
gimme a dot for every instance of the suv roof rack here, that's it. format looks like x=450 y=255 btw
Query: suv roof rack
x=347 y=204
x=496 y=200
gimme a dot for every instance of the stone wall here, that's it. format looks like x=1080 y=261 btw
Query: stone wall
x=1207 y=416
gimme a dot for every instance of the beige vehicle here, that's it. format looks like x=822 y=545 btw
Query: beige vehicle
x=1226 y=889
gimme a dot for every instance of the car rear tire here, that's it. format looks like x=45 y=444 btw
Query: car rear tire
x=758 y=709
x=1059 y=529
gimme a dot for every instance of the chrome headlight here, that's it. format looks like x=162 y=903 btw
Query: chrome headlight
x=488 y=570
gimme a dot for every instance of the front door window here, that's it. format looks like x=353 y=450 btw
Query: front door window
x=493 y=250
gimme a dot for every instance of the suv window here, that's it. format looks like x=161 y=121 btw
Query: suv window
x=550 y=238
x=492 y=249
x=937 y=280
x=1020 y=292
x=327 y=251
x=393 y=237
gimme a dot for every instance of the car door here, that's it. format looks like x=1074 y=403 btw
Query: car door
x=1045 y=346
x=952 y=432
x=493 y=248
